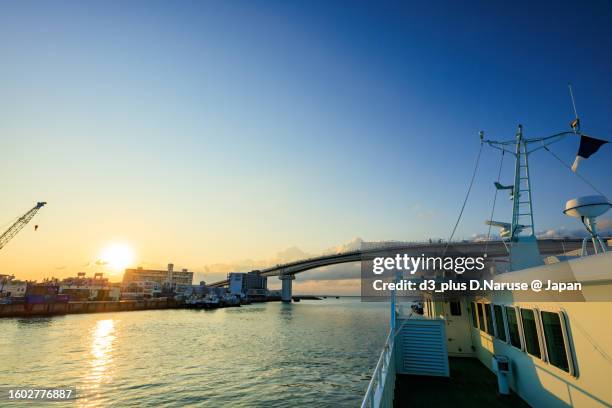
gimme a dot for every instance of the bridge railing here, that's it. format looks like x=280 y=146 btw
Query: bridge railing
x=369 y=248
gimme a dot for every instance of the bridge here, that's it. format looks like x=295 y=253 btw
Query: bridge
x=286 y=272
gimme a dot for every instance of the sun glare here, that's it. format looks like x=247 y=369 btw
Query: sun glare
x=117 y=256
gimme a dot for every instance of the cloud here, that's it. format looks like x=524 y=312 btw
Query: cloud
x=329 y=288
x=605 y=224
x=333 y=272
x=604 y=228
x=353 y=245
x=483 y=237
x=290 y=255
x=219 y=271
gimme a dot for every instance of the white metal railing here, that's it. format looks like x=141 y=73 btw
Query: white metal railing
x=381 y=389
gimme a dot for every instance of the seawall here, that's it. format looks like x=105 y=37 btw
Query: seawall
x=49 y=309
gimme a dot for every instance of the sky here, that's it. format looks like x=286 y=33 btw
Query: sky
x=227 y=135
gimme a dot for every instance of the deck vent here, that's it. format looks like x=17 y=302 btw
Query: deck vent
x=422 y=347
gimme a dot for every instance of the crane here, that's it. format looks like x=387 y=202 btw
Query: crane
x=19 y=224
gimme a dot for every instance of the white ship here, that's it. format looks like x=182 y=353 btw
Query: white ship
x=504 y=348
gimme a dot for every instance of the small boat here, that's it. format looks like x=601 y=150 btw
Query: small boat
x=211 y=301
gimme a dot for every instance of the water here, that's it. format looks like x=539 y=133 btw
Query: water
x=312 y=353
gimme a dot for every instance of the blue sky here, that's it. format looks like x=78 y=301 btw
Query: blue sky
x=211 y=132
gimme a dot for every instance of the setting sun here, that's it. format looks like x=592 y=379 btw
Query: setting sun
x=117 y=256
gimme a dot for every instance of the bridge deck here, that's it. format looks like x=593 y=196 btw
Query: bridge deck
x=493 y=249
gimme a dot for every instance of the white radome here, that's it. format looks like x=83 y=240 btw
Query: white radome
x=587 y=206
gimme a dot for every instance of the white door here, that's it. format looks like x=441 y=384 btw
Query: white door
x=458 y=338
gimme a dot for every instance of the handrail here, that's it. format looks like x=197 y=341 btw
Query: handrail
x=374 y=393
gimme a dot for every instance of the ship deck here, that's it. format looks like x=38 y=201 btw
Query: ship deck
x=470 y=384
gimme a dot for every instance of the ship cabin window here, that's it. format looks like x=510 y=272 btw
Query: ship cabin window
x=499 y=322
x=530 y=331
x=481 y=321
x=474 y=316
x=555 y=340
x=455 y=308
x=487 y=309
x=513 y=327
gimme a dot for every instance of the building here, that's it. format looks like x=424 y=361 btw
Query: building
x=141 y=289
x=196 y=290
x=46 y=291
x=167 y=279
x=11 y=287
x=252 y=285
x=219 y=292
x=236 y=280
x=82 y=287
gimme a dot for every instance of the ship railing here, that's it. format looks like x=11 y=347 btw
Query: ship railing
x=381 y=388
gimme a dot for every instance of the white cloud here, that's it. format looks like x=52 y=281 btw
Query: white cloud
x=604 y=227
x=219 y=271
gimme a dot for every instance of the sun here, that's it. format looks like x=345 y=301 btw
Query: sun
x=117 y=256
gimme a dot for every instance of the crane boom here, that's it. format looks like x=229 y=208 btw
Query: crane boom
x=19 y=224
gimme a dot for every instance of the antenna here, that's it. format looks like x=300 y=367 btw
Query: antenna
x=588 y=208
x=575 y=124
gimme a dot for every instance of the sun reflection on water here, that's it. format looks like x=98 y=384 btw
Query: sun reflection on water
x=103 y=337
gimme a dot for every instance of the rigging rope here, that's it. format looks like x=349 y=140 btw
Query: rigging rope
x=466 y=198
x=501 y=163
x=570 y=169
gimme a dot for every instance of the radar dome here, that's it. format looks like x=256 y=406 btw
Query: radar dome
x=587 y=206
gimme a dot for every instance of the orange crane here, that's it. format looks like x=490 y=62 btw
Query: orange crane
x=19 y=224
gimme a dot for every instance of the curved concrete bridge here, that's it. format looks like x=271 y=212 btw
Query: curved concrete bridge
x=286 y=272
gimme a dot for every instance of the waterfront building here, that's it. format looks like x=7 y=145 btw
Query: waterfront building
x=219 y=292
x=141 y=289
x=251 y=285
x=166 y=278
x=82 y=287
x=11 y=287
x=196 y=290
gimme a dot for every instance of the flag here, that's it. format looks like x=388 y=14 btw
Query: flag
x=588 y=146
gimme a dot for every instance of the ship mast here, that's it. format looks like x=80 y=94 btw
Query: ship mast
x=524 y=251
x=522 y=207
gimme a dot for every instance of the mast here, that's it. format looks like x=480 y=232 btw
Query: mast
x=524 y=251
x=522 y=210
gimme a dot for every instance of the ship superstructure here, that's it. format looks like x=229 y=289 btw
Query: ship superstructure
x=507 y=347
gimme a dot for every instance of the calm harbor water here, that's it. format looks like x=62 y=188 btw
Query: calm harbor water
x=312 y=353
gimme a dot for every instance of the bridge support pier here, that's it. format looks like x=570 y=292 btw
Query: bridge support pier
x=286 y=291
